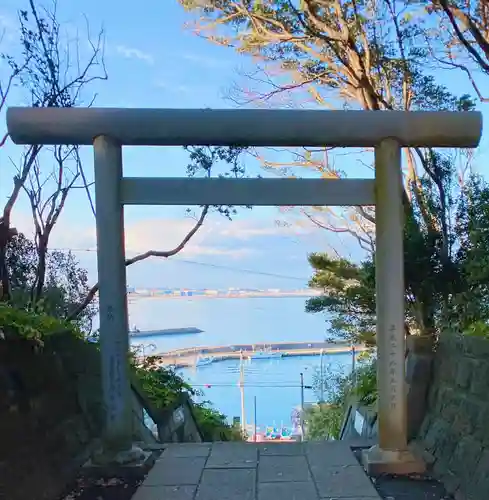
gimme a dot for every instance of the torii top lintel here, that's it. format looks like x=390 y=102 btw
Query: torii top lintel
x=243 y=127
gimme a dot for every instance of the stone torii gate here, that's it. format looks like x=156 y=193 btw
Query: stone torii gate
x=387 y=131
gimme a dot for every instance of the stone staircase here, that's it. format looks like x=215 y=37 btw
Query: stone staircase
x=265 y=471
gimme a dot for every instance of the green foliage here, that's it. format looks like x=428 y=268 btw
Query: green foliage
x=348 y=296
x=470 y=305
x=65 y=287
x=364 y=384
x=477 y=329
x=30 y=325
x=164 y=387
x=323 y=422
x=365 y=55
x=213 y=424
x=446 y=270
x=205 y=159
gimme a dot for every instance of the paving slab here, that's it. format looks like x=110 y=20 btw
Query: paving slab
x=283 y=469
x=330 y=454
x=174 y=471
x=343 y=482
x=165 y=493
x=227 y=484
x=244 y=471
x=184 y=450
x=287 y=491
x=233 y=456
x=281 y=449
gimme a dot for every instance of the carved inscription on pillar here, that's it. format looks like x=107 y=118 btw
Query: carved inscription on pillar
x=393 y=368
x=115 y=366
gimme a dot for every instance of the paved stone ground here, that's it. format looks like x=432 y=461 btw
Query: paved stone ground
x=411 y=487
x=245 y=471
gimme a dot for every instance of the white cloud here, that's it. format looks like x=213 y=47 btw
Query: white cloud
x=133 y=53
x=65 y=234
x=217 y=236
x=142 y=235
x=234 y=253
x=173 y=87
x=247 y=231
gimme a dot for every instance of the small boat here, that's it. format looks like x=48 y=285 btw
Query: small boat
x=266 y=355
x=203 y=361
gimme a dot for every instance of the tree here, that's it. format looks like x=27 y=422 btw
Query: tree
x=51 y=78
x=471 y=304
x=367 y=55
x=455 y=291
x=464 y=35
x=324 y=420
x=348 y=297
x=51 y=74
x=65 y=285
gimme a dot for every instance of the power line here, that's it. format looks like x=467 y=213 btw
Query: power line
x=262 y=386
x=205 y=264
x=246 y=271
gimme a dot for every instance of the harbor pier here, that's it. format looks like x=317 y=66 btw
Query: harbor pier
x=188 y=356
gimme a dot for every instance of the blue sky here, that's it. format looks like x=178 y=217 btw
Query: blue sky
x=154 y=61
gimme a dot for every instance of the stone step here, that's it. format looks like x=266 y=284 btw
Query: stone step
x=264 y=471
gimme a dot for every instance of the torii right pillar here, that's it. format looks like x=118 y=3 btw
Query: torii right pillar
x=391 y=455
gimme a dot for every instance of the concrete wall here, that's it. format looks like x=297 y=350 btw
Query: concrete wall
x=360 y=423
x=178 y=424
x=455 y=432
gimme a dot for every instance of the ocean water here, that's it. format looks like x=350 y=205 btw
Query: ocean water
x=227 y=321
x=276 y=383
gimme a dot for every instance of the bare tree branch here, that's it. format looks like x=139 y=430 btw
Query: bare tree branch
x=52 y=79
x=143 y=256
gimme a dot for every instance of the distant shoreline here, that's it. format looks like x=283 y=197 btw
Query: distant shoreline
x=135 y=296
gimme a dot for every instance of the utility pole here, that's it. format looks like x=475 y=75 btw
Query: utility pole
x=241 y=387
x=353 y=362
x=255 y=422
x=321 y=400
x=302 y=407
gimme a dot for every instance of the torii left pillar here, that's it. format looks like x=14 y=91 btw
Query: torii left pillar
x=114 y=328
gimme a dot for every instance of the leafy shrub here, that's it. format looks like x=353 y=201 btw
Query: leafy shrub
x=365 y=383
x=477 y=329
x=29 y=325
x=213 y=424
x=164 y=386
x=323 y=422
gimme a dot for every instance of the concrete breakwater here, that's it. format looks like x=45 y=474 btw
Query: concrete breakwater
x=191 y=330
x=189 y=356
